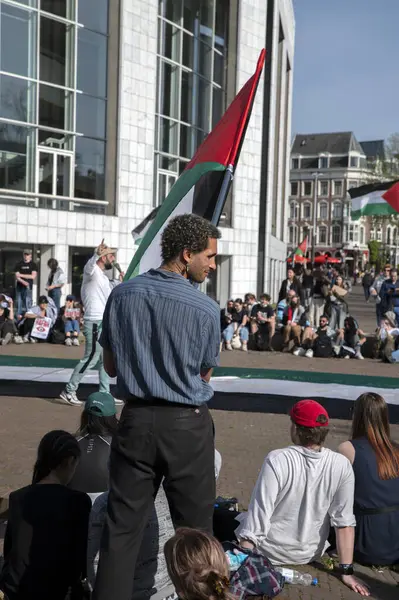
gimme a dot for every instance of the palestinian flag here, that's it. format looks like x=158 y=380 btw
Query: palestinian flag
x=302 y=248
x=203 y=186
x=375 y=199
x=298 y=255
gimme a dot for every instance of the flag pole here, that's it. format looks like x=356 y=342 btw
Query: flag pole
x=224 y=190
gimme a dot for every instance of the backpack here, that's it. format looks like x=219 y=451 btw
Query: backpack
x=255 y=577
x=323 y=347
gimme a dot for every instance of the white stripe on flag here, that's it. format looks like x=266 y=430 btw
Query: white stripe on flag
x=371 y=198
x=152 y=256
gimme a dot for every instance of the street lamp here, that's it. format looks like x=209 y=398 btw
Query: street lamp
x=316 y=179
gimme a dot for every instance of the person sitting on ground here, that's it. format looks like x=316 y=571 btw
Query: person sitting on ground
x=351 y=339
x=71 y=316
x=226 y=315
x=291 y=283
x=249 y=302
x=281 y=307
x=46 y=537
x=197 y=565
x=263 y=323
x=238 y=328
x=296 y=324
x=336 y=304
x=7 y=326
x=387 y=337
x=319 y=342
x=45 y=308
x=375 y=460
x=98 y=423
x=301 y=491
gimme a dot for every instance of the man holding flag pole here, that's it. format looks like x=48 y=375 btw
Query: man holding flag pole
x=161 y=339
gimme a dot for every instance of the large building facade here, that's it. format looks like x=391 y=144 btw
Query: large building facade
x=103 y=103
x=323 y=168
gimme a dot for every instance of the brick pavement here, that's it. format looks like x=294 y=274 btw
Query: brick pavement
x=242 y=438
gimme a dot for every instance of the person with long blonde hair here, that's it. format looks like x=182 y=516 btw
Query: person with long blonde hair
x=375 y=460
x=197 y=566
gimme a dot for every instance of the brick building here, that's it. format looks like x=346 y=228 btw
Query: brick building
x=324 y=167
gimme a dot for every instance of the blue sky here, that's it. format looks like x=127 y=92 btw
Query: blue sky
x=346 y=67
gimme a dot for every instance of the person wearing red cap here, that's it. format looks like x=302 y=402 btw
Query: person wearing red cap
x=301 y=491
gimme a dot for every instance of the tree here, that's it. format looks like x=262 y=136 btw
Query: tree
x=375 y=253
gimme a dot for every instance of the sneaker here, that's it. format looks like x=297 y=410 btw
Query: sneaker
x=75 y=342
x=119 y=402
x=7 y=339
x=229 y=346
x=299 y=351
x=33 y=341
x=70 y=398
x=244 y=347
x=68 y=342
x=309 y=353
x=18 y=339
x=25 y=339
x=347 y=356
x=359 y=355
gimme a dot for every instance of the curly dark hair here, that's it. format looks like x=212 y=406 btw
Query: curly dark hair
x=187 y=232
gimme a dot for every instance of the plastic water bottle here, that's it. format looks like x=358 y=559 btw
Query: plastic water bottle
x=292 y=576
x=235 y=558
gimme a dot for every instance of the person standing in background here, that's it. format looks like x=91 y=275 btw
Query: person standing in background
x=96 y=288
x=307 y=286
x=25 y=275
x=55 y=282
x=290 y=283
x=375 y=292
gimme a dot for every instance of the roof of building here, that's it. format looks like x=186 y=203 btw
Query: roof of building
x=333 y=143
x=374 y=149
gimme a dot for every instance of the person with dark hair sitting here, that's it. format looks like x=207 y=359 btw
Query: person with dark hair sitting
x=375 y=460
x=46 y=309
x=46 y=537
x=351 y=339
x=98 y=423
x=263 y=323
x=7 y=326
x=301 y=491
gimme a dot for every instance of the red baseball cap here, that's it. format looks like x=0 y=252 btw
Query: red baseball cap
x=307 y=412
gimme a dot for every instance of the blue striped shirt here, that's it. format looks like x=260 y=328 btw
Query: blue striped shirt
x=162 y=332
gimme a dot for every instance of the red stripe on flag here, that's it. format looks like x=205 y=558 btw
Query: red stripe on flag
x=224 y=142
x=392 y=196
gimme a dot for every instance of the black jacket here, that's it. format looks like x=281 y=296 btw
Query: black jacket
x=296 y=285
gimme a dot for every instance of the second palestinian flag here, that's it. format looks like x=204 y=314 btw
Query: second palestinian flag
x=375 y=199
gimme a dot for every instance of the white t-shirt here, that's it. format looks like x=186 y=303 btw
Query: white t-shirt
x=96 y=288
x=298 y=494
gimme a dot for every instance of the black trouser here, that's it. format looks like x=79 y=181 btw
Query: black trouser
x=154 y=440
x=7 y=327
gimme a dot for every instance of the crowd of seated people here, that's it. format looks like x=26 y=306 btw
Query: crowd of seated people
x=43 y=322
x=307 y=500
x=312 y=318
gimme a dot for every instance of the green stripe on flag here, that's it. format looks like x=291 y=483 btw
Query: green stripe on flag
x=369 y=210
x=182 y=186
